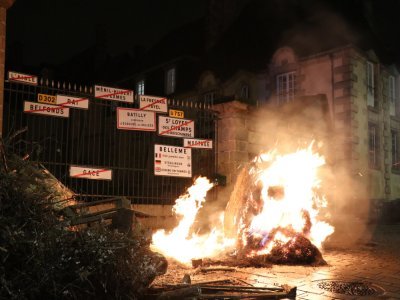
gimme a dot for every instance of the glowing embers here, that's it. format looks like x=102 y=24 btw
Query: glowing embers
x=276 y=212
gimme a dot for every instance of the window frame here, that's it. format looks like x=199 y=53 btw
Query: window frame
x=392 y=95
x=373 y=145
x=170 y=81
x=370 y=84
x=140 y=86
x=395 y=155
x=288 y=93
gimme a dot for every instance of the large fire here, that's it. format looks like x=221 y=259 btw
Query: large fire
x=276 y=202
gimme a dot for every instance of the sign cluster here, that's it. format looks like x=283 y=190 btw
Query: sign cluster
x=168 y=160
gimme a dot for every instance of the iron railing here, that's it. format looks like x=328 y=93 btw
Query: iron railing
x=91 y=138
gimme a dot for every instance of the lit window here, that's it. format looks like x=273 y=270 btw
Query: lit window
x=171 y=80
x=244 y=92
x=395 y=151
x=370 y=84
x=373 y=145
x=392 y=95
x=140 y=87
x=285 y=87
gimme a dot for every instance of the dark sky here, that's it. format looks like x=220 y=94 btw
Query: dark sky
x=54 y=30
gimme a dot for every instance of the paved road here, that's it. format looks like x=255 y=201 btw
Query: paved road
x=375 y=260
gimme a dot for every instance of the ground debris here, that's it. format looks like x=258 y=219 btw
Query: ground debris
x=213 y=290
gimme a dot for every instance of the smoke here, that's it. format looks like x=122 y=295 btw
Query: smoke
x=292 y=127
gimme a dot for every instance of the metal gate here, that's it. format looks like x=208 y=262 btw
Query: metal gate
x=91 y=138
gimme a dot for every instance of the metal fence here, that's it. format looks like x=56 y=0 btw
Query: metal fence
x=91 y=138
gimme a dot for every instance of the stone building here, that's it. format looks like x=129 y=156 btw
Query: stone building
x=343 y=97
x=290 y=71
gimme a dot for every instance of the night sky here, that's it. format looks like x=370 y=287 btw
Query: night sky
x=52 y=31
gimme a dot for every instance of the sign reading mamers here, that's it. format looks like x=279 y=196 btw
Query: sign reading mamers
x=182 y=128
x=197 y=143
x=172 y=161
x=110 y=93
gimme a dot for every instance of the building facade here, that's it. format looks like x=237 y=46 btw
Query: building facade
x=344 y=99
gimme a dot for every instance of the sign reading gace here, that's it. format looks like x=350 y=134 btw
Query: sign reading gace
x=157 y=104
x=73 y=102
x=172 y=161
x=110 y=93
x=90 y=173
x=22 y=78
x=175 y=127
x=197 y=143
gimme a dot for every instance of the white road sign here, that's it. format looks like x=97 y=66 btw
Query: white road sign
x=136 y=119
x=110 y=93
x=182 y=128
x=172 y=161
x=46 y=109
x=158 y=104
x=22 y=78
x=90 y=173
x=198 y=143
x=72 y=101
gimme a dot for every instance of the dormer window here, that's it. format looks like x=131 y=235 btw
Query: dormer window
x=170 y=81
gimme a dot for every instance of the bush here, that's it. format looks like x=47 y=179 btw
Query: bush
x=40 y=258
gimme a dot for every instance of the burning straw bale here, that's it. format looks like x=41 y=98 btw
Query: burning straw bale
x=42 y=259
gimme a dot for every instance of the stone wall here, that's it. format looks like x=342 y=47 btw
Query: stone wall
x=4 y=5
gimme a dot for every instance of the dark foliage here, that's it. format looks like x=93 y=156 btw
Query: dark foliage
x=42 y=259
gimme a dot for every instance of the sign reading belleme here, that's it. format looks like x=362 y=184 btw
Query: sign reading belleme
x=172 y=161
x=90 y=173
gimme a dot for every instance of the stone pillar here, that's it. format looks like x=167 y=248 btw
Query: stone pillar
x=4 y=5
x=232 y=143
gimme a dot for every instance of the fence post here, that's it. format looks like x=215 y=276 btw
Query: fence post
x=4 y=5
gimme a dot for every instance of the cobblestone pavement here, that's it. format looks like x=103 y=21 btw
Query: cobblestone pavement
x=376 y=261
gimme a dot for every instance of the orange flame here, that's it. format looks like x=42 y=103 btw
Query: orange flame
x=180 y=244
x=296 y=209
